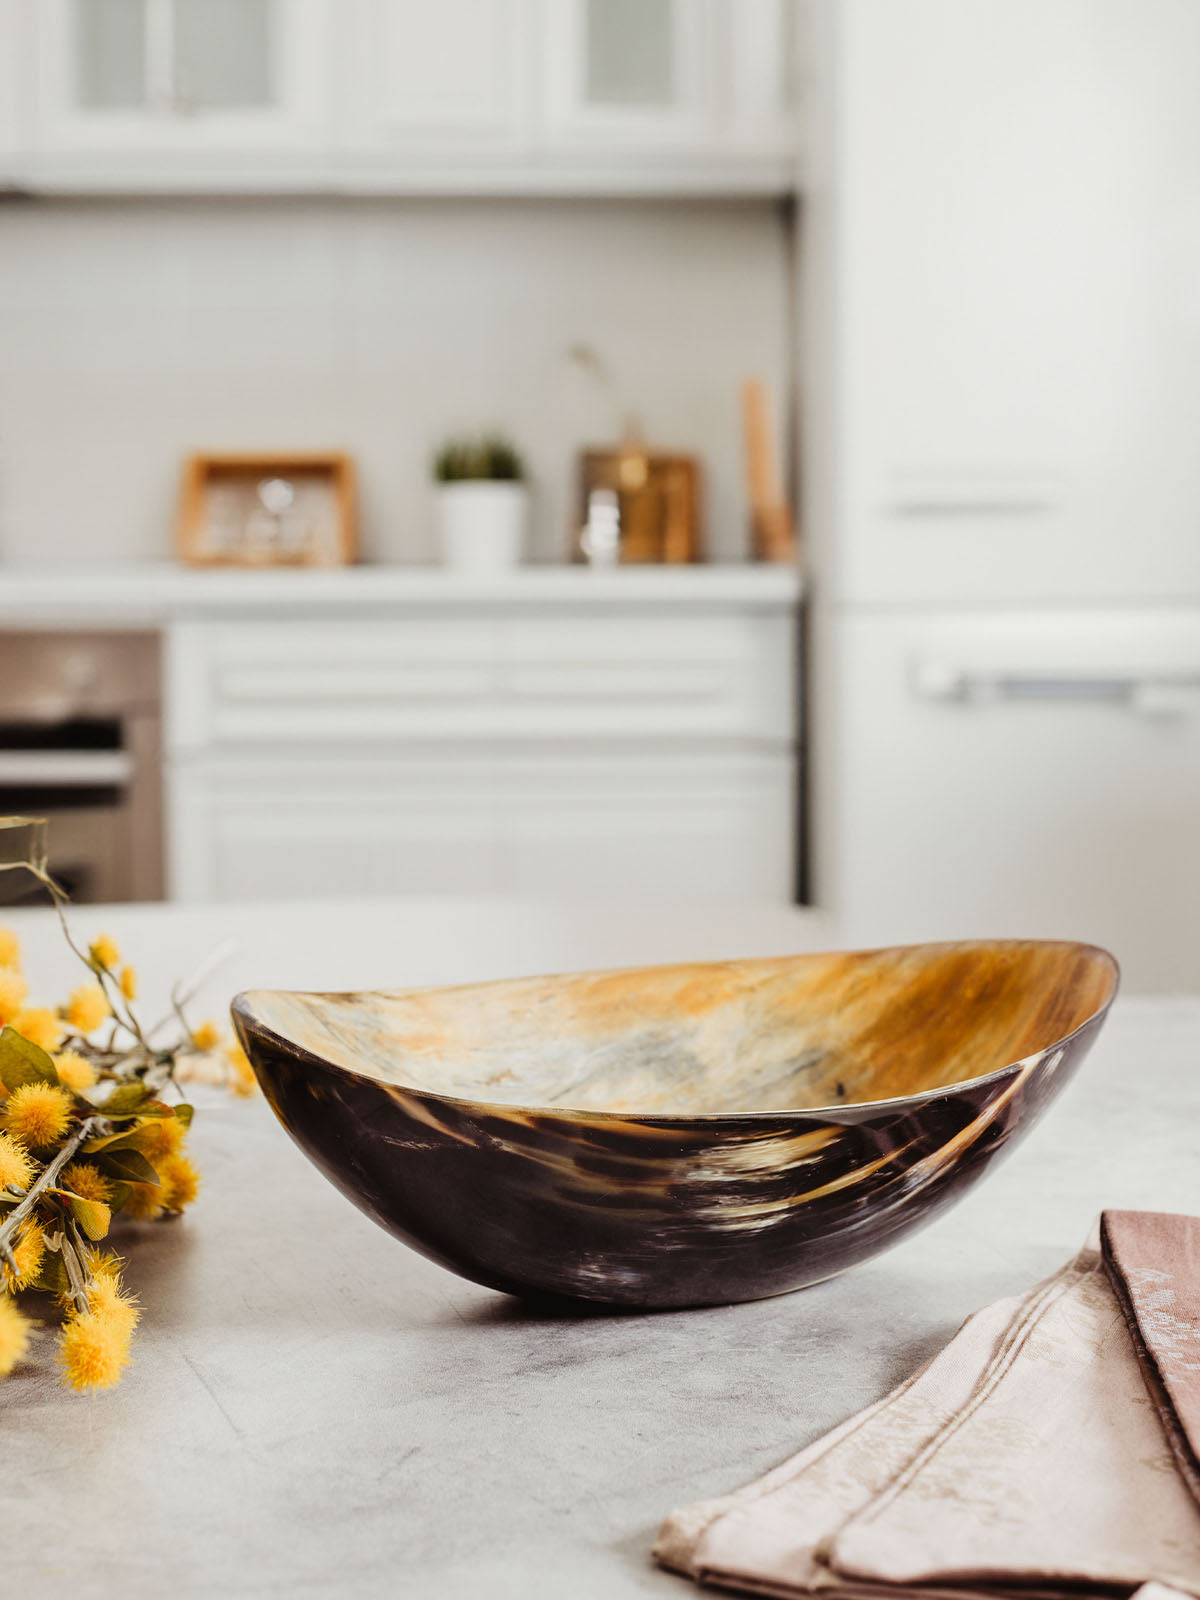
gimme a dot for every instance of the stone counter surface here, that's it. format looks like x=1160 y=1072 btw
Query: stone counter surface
x=154 y=594
x=313 y=1410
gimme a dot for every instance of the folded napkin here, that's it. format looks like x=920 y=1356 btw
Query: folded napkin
x=1051 y=1449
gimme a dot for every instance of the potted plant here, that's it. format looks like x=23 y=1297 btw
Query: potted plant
x=482 y=500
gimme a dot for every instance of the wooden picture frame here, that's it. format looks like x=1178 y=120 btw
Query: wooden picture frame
x=268 y=509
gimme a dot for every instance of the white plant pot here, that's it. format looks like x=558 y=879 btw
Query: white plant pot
x=482 y=525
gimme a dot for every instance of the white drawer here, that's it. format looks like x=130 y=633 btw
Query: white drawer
x=685 y=827
x=333 y=684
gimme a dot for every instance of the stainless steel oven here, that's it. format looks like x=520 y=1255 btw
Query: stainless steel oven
x=80 y=745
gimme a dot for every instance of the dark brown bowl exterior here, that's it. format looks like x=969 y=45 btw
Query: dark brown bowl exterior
x=663 y=1210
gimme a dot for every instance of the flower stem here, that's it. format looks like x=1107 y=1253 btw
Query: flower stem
x=44 y=1181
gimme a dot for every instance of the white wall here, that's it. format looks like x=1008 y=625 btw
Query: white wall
x=133 y=332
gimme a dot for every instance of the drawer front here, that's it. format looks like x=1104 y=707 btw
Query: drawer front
x=333 y=683
x=684 y=827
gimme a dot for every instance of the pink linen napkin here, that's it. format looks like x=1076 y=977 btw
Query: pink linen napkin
x=1153 y=1264
x=1026 y=1458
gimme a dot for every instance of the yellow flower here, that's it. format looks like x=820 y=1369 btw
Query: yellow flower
x=241 y=1074
x=27 y=1253
x=129 y=984
x=87 y=1008
x=180 y=1183
x=40 y=1026
x=143 y=1201
x=15 y=1165
x=104 y=951
x=13 y=990
x=75 y=1072
x=207 y=1036
x=167 y=1136
x=14 y=1335
x=10 y=949
x=107 y=1299
x=37 y=1114
x=87 y=1181
x=94 y=1349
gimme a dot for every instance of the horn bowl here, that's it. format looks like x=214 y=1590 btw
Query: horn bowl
x=684 y=1135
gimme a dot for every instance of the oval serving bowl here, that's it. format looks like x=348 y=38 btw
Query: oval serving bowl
x=686 y=1135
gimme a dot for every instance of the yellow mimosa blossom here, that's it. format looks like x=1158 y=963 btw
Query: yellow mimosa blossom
x=241 y=1074
x=207 y=1036
x=180 y=1183
x=14 y=1335
x=75 y=1071
x=15 y=1165
x=108 y=1300
x=10 y=949
x=129 y=983
x=28 y=1253
x=40 y=1026
x=143 y=1202
x=37 y=1114
x=104 y=951
x=13 y=990
x=87 y=1008
x=94 y=1349
x=166 y=1136
x=87 y=1181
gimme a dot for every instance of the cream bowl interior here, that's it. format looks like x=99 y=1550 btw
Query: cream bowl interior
x=793 y=1033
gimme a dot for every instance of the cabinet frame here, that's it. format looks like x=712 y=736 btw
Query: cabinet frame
x=295 y=130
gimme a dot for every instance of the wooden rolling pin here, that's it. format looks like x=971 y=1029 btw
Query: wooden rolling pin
x=772 y=529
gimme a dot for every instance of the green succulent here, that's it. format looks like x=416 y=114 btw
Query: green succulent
x=489 y=458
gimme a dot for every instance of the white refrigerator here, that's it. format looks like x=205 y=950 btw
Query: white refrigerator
x=1001 y=350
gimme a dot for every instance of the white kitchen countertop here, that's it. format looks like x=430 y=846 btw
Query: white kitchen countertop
x=152 y=594
x=316 y=1411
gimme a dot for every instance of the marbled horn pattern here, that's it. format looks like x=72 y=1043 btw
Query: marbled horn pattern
x=678 y=1136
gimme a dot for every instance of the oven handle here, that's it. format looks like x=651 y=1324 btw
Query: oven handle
x=1146 y=693
x=65 y=769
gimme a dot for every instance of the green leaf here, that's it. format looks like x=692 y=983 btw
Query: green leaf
x=92 y=1217
x=21 y=1062
x=184 y=1113
x=123 y=1139
x=129 y=1165
x=120 y=1194
x=52 y=1275
x=127 y=1100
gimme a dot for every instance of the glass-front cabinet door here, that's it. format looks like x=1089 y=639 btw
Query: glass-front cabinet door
x=165 y=77
x=622 y=72
x=705 y=81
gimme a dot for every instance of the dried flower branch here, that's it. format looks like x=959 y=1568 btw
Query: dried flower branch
x=85 y=1135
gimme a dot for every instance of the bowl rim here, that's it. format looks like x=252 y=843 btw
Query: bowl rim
x=244 y=1018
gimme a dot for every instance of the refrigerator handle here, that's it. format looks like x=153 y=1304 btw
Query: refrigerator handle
x=1150 y=694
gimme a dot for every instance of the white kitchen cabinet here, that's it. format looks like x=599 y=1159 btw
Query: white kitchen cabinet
x=640 y=73
x=399 y=96
x=1014 y=341
x=12 y=52
x=681 y=826
x=706 y=81
x=600 y=750
x=1021 y=774
x=428 y=86
x=180 y=93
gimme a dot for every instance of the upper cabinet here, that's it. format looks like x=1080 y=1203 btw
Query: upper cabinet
x=704 y=84
x=488 y=96
x=179 y=92
x=436 y=92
